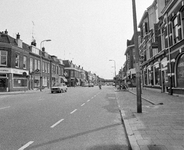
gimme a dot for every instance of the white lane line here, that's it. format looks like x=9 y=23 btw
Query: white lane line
x=56 y=123
x=4 y=107
x=88 y=100
x=73 y=111
x=26 y=145
x=83 y=104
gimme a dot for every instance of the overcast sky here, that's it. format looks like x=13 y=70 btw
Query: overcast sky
x=89 y=32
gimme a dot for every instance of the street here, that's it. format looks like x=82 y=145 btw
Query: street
x=82 y=118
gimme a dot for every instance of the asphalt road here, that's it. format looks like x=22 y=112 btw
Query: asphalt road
x=83 y=118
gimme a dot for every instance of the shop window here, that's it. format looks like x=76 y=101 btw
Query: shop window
x=24 y=62
x=150 y=79
x=17 y=59
x=180 y=72
x=3 y=58
x=18 y=82
x=156 y=74
x=145 y=77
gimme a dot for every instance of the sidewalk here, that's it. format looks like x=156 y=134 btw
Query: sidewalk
x=160 y=126
x=23 y=92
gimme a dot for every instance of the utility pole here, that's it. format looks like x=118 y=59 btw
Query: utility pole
x=137 y=62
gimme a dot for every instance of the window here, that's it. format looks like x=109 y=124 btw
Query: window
x=170 y=34
x=48 y=68
x=57 y=70
x=24 y=62
x=177 y=28
x=72 y=73
x=43 y=66
x=36 y=64
x=166 y=36
x=17 y=60
x=3 y=58
x=31 y=64
x=39 y=64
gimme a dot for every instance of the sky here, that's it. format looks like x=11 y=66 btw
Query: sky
x=88 y=32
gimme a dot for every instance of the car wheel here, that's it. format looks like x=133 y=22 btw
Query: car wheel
x=51 y=91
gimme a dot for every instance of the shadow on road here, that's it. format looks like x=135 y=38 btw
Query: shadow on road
x=74 y=136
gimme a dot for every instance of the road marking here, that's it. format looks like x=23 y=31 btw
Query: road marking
x=4 y=107
x=26 y=145
x=56 y=123
x=88 y=100
x=83 y=104
x=92 y=97
x=73 y=111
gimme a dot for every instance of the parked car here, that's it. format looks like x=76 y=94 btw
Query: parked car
x=58 y=88
x=91 y=85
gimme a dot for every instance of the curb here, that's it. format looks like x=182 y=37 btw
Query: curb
x=129 y=133
x=146 y=99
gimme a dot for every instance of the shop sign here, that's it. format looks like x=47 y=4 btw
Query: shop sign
x=11 y=70
x=5 y=70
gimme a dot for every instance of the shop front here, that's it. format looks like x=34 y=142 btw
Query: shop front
x=12 y=79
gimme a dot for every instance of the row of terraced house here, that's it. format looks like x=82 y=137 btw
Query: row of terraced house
x=26 y=67
x=161 y=48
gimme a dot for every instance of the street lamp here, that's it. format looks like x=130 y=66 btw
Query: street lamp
x=114 y=66
x=41 y=68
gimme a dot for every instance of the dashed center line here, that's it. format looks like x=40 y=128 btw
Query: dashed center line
x=88 y=100
x=73 y=111
x=26 y=145
x=83 y=104
x=4 y=107
x=56 y=123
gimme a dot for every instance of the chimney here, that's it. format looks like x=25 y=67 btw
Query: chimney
x=33 y=43
x=18 y=36
x=43 y=49
x=6 y=31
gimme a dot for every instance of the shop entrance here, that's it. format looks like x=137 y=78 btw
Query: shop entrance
x=3 y=84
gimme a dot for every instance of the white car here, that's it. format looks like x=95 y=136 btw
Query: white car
x=58 y=88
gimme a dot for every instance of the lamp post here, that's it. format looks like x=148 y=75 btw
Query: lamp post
x=41 y=67
x=138 y=72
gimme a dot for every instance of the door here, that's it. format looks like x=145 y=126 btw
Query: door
x=3 y=84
